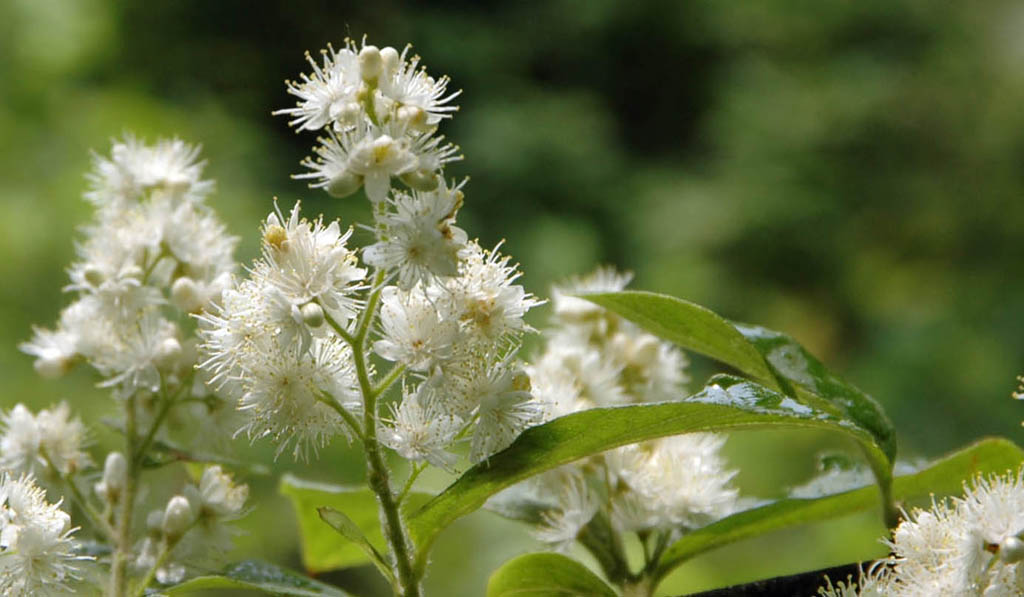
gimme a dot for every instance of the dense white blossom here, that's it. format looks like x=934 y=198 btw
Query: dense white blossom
x=31 y=443
x=576 y=506
x=153 y=251
x=422 y=428
x=964 y=547
x=415 y=330
x=380 y=110
x=37 y=554
x=678 y=481
x=419 y=238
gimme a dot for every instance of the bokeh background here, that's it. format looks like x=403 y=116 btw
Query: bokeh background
x=849 y=172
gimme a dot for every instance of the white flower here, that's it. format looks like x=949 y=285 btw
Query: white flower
x=36 y=550
x=506 y=408
x=54 y=350
x=308 y=261
x=489 y=304
x=136 y=366
x=134 y=168
x=418 y=237
x=871 y=583
x=957 y=548
x=409 y=87
x=595 y=376
x=219 y=496
x=576 y=506
x=421 y=428
x=327 y=94
x=281 y=390
x=29 y=443
x=673 y=481
x=571 y=309
x=415 y=331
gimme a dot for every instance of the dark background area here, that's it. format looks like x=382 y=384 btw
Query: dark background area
x=850 y=173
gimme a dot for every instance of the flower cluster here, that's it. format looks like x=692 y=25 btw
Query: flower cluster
x=266 y=345
x=970 y=546
x=33 y=444
x=190 y=530
x=380 y=111
x=153 y=253
x=293 y=342
x=594 y=358
x=37 y=553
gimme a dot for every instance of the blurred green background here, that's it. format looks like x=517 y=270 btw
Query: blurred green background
x=849 y=172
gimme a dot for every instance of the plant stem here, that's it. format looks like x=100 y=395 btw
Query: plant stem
x=95 y=516
x=377 y=476
x=161 y=415
x=123 y=543
x=413 y=474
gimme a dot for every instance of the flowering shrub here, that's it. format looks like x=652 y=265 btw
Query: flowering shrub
x=411 y=344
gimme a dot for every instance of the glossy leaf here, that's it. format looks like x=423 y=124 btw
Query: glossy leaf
x=546 y=575
x=259 y=576
x=323 y=548
x=945 y=476
x=727 y=403
x=689 y=325
x=780 y=363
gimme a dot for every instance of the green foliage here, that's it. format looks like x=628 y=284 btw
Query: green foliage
x=770 y=357
x=259 y=576
x=546 y=575
x=329 y=541
x=727 y=403
x=945 y=476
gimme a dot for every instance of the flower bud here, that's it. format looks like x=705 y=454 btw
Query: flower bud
x=391 y=59
x=345 y=113
x=344 y=184
x=185 y=295
x=312 y=315
x=52 y=367
x=413 y=117
x=168 y=352
x=1012 y=550
x=178 y=517
x=93 y=275
x=370 y=64
x=421 y=180
x=115 y=471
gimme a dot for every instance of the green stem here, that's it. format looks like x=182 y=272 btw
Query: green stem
x=376 y=470
x=123 y=543
x=94 y=515
x=416 y=470
x=346 y=416
x=161 y=416
x=165 y=552
x=385 y=383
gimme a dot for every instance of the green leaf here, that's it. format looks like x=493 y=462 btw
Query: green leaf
x=340 y=522
x=808 y=375
x=689 y=325
x=770 y=357
x=727 y=403
x=546 y=575
x=260 y=576
x=945 y=476
x=323 y=548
